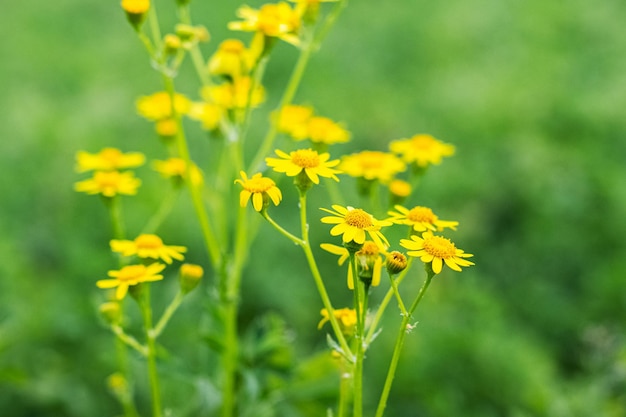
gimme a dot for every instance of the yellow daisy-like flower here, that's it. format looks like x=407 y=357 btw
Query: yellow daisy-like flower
x=166 y=128
x=275 y=20
x=294 y=119
x=399 y=188
x=370 y=261
x=148 y=246
x=108 y=159
x=232 y=58
x=158 y=106
x=131 y=275
x=208 y=114
x=324 y=130
x=436 y=250
x=260 y=188
x=420 y=219
x=346 y=317
x=135 y=6
x=372 y=165
x=176 y=168
x=421 y=149
x=109 y=184
x=313 y=164
x=234 y=95
x=353 y=223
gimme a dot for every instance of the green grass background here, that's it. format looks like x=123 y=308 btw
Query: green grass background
x=532 y=94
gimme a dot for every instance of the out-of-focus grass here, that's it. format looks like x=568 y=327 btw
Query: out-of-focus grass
x=532 y=93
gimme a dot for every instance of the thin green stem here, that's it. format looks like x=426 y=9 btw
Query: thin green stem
x=162 y=212
x=345 y=386
x=405 y=327
x=115 y=213
x=155 y=31
x=360 y=306
x=195 y=52
x=128 y=339
x=153 y=375
x=281 y=230
x=167 y=314
x=328 y=23
x=394 y=287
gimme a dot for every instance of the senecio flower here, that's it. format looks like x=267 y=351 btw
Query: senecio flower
x=109 y=184
x=313 y=164
x=436 y=250
x=148 y=246
x=176 y=168
x=324 y=130
x=235 y=94
x=345 y=316
x=421 y=149
x=108 y=159
x=420 y=219
x=232 y=59
x=158 y=106
x=293 y=119
x=131 y=275
x=274 y=20
x=260 y=188
x=372 y=165
x=352 y=223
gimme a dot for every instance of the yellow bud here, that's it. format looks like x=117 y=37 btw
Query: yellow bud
x=396 y=262
x=111 y=312
x=136 y=11
x=189 y=277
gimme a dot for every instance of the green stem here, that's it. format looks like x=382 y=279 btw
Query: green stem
x=167 y=314
x=153 y=376
x=394 y=287
x=344 y=387
x=282 y=231
x=404 y=329
x=115 y=212
x=163 y=211
x=195 y=52
x=154 y=26
x=360 y=306
x=128 y=340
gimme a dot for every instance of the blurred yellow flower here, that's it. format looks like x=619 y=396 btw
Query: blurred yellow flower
x=131 y=275
x=176 y=168
x=108 y=159
x=353 y=223
x=421 y=149
x=294 y=119
x=260 y=188
x=208 y=114
x=324 y=130
x=420 y=219
x=135 y=6
x=148 y=246
x=109 y=184
x=167 y=128
x=399 y=188
x=232 y=59
x=346 y=318
x=436 y=250
x=314 y=165
x=274 y=20
x=234 y=95
x=372 y=165
x=159 y=106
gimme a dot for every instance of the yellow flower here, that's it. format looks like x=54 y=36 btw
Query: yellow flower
x=346 y=317
x=108 y=159
x=421 y=149
x=159 y=106
x=232 y=58
x=314 y=165
x=109 y=184
x=352 y=223
x=274 y=20
x=369 y=261
x=208 y=114
x=294 y=119
x=167 y=128
x=135 y=6
x=436 y=250
x=189 y=277
x=420 y=219
x=148 y=246
x=131 y=275
x=372 y=165
x=260 y=188
x=399 y=188
x=234 y=95
x=176 y=168
x=324 y=130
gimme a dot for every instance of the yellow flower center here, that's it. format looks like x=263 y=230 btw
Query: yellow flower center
x=259 y=185
x=111 y=155
x=305 y=158
x=131 y=273
x=234 y=46
x=369 y=249
x=107 y=179
x=148 y=242
x=358 y=218
x=424 y=141
x=421 y=214
x=440 y=247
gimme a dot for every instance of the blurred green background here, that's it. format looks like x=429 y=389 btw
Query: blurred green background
x=532 y=94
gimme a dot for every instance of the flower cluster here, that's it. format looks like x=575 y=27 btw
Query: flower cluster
x=107 y=180
x=300 y=123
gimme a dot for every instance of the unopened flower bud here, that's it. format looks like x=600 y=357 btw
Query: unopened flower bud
x=171 y=44
x=136 y=11
x=190 y=276
x=111 y=312
x=352 y=246
x=396 y=262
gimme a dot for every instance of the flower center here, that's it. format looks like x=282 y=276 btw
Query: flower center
x=305 y=158
x=369 y=249
x=110 y=155
x=421 y=214
x=440 y=247
x=358 y=218
x=131 y=273
x=424 y=141
x=259 y=185
x=148 y=242
x=107 y=179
